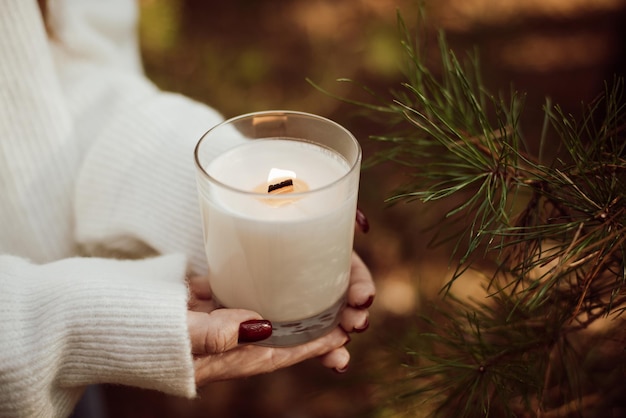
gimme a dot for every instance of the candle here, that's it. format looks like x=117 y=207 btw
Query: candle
x=297 y=248
x=278 y=217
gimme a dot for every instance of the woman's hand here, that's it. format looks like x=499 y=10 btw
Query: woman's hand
x=219 y=336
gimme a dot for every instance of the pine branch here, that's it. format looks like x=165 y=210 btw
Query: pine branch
x=555 y=230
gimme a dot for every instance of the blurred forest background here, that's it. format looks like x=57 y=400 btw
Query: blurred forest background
x=241 y=56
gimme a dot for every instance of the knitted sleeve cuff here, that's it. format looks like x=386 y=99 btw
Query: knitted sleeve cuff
x=81 y=321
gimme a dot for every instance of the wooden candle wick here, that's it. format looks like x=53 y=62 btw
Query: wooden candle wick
x=285 y=186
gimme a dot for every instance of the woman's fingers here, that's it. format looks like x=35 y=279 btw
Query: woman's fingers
x=200 y=305
x=220 y=337
x=338 y=360
x=199 y=286
x=362 y=290
x=200 y=296
x=249 y=360
x=223 y=329
x=354 y=320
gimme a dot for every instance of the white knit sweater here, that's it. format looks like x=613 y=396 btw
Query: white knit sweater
x=92 y=158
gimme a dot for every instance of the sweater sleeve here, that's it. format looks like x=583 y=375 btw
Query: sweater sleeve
x=77 y=321
x=123 y=323
x=137 y=184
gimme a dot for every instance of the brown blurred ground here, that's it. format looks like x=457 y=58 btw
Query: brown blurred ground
x=247 y=55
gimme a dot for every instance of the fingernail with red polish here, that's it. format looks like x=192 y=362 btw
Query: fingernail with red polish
x=363 y=327
x=362 y=221
x=254 y=330
x=366 y=304
x=341 y=370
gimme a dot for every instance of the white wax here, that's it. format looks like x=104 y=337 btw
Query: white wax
x=289 y=261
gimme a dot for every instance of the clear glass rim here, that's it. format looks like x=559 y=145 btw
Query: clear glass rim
x=352 y=165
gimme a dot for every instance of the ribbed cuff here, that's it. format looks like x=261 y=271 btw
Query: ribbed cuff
x=84 y=321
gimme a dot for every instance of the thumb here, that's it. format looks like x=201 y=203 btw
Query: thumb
x=223 y=329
